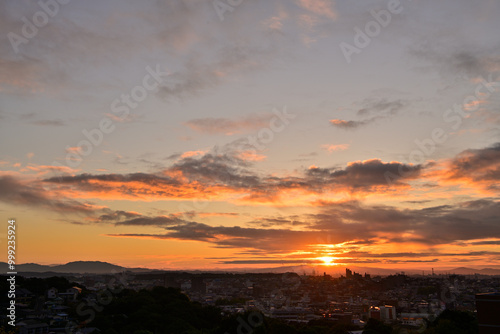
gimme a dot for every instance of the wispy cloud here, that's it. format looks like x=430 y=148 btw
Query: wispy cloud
x=49 y=123
x=226 y=126
x=372 y=110
x=320 y=7
x=343 y=124
x=335 y=147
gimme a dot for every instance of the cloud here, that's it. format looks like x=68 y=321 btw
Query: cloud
x=332 y=147
x=186 y=37
x=431 y=225
x=190 y=154
x=319 y=7
x=234 y=236
x=118 y=215
x=249 y=155
x=217 y=214
x=42 y=169
x=230 y=176
x=374 y=109
x=339 y=123
x=151 y=221
x=199 y=74
x=486 y=242
x=273 y=261
x=49 y=123
x=225 y=126
x=461 y=62
x=477 y=168
x=349 y=225
x=368 y=175
x=381 y=107
x=267 y=222
x=32 y=194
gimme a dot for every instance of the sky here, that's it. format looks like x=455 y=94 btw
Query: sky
x=191 y=134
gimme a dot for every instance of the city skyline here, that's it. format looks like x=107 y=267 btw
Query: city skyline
x=251 y=134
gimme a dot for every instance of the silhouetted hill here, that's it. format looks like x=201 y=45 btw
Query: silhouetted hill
x=88 y=267
x=77 y=267
x=99 y=267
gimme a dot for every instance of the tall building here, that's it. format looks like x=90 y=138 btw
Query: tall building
x=348 y=273
x=488 y=309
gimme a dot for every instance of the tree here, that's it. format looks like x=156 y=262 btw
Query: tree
x=375 y=326
x=453 y=322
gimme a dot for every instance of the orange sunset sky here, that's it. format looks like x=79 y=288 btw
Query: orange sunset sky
x=191 y=134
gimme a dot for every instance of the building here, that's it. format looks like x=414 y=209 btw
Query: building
x=387 y=313
x=348 y=273
x=374 y=312
x=32 y=327
x=52 y=293
x=488 y=309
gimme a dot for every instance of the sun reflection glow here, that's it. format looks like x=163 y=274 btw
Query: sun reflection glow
x=328 y=260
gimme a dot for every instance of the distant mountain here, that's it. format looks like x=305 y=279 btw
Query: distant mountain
x=77 y=267
x=34 y=267
x=98 y=267
x=82 y=267
x=472 y=271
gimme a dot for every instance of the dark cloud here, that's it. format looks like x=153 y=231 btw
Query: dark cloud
x=118 y=215
x=413 y=255
x=271 y=240
x=381 y=107
x=478 y=166
x=212 y=174
x=14 y=191
x=219 y=169
x=418 y=201
x=151 y=221
x=133 y=177
x=279 y=221
x=351 y=222
x=434 y=225
x=485 y=243
x=363 y=175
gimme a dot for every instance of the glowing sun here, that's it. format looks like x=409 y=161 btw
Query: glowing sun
x=328 y=261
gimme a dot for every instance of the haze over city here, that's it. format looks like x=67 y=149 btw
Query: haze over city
x=251 y=134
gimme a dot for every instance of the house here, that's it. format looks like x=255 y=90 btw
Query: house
x=32 y=327
x=52 y=293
